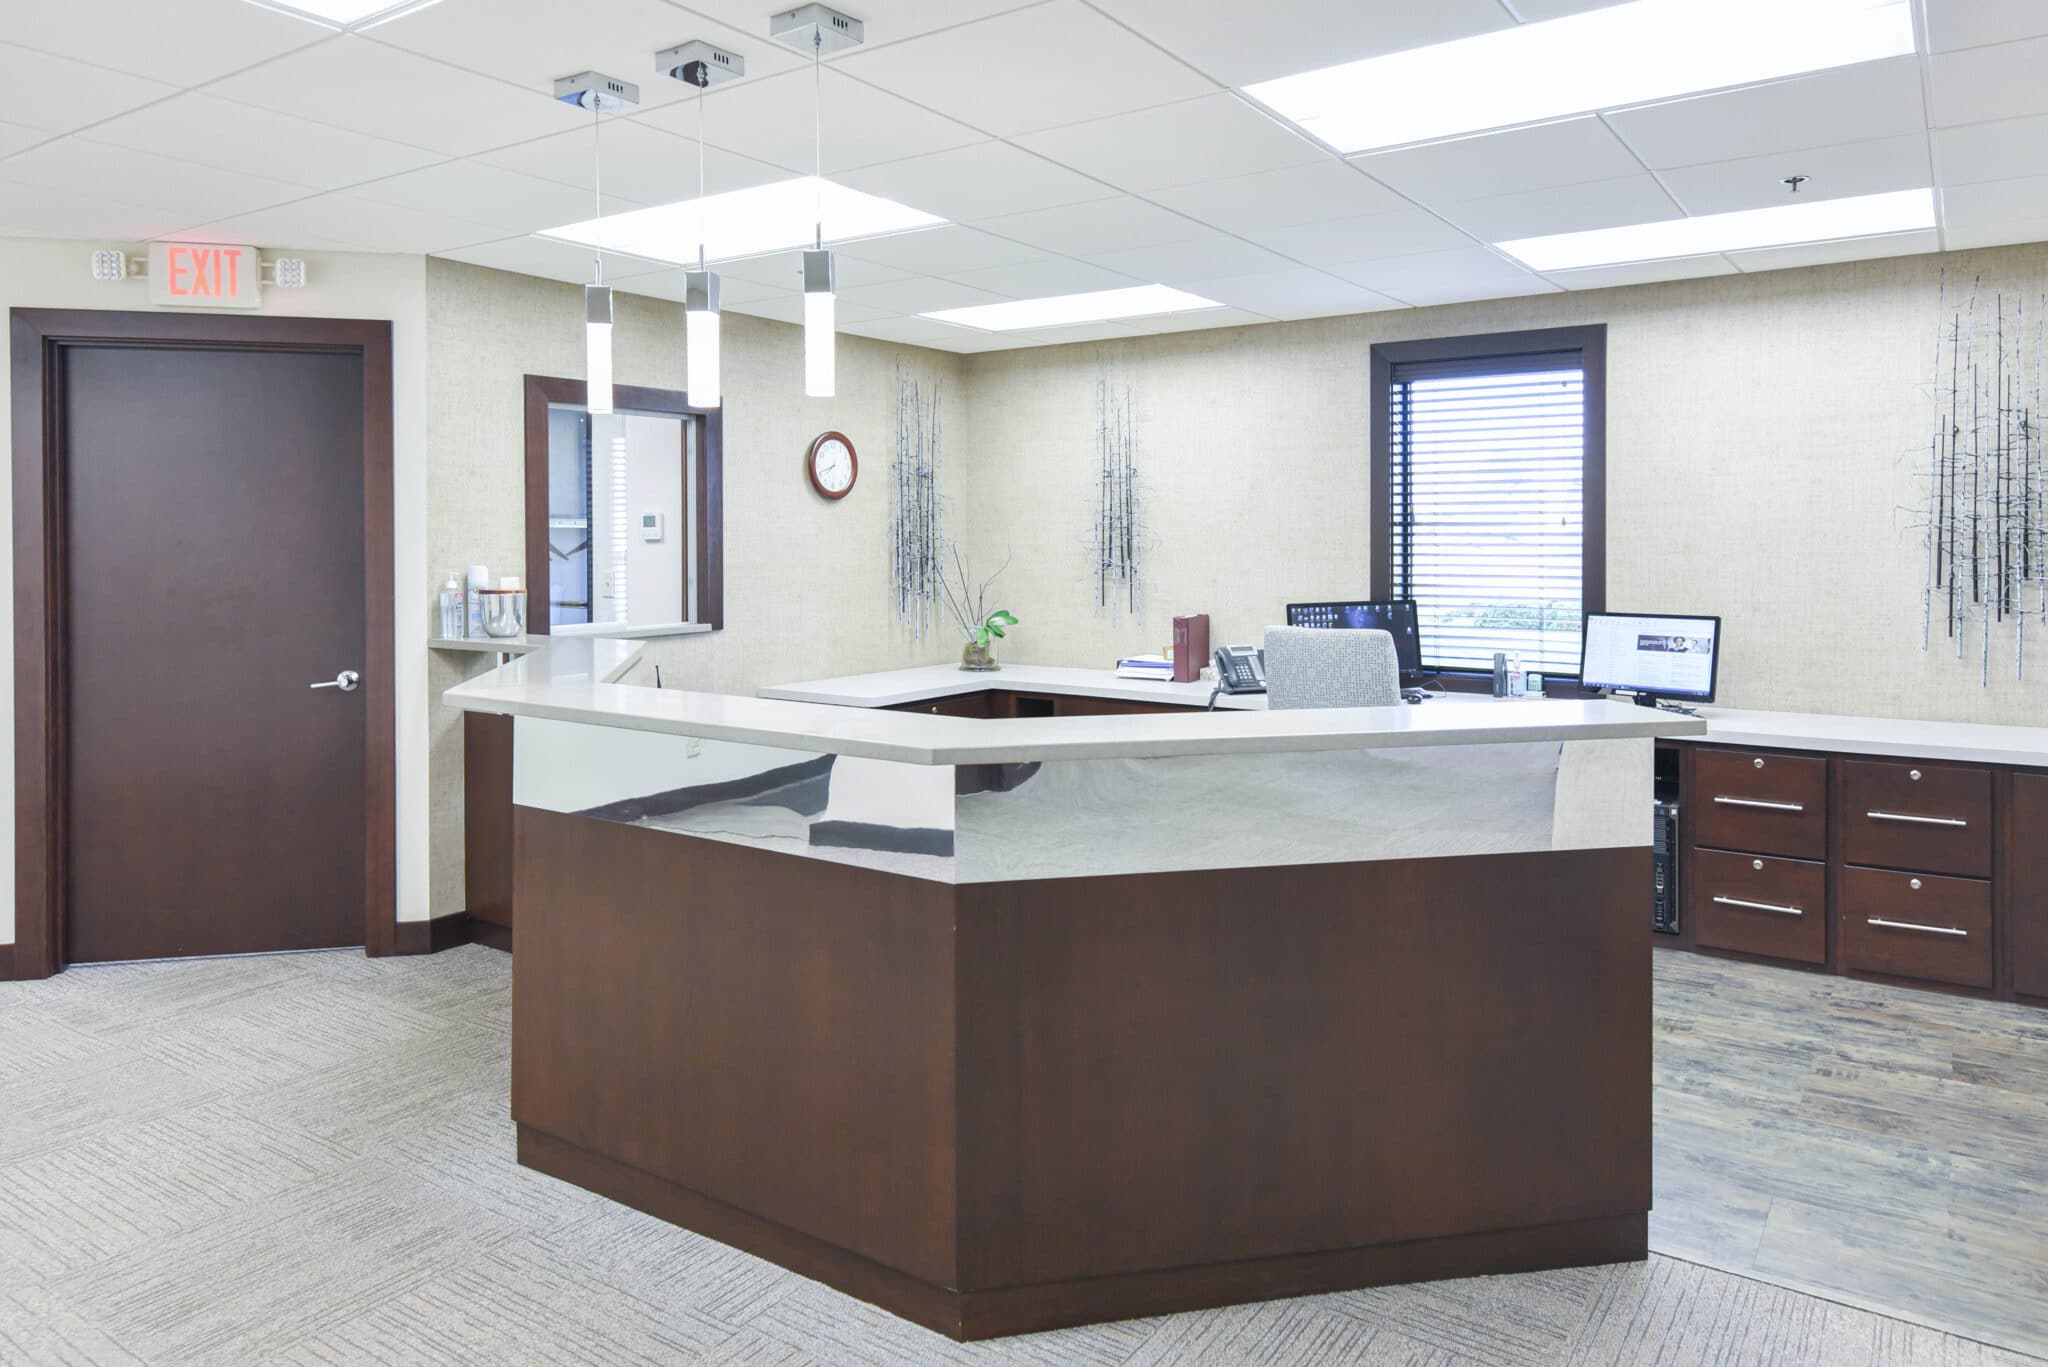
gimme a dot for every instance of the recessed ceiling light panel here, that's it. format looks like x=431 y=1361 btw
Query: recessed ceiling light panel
x=1097 y=306
x=751 y=222
x=345 y=14
x=1785 y=225
x=1628 y=54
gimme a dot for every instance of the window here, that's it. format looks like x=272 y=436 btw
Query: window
x=1488 y=493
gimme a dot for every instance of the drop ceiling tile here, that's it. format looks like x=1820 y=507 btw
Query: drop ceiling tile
x=15 y=136
x=1289 y=36
x=1444 y=277
x=1536 y=11
x=549 y=260
x=1962 y=239
x=180 y=189
x=354 y=83
x=1859 y=168
x=1083 y=332
x=355 y=223
x=1643 y=273
x=187 y=43
x=918 y=294
x=784 y=271
x=1849 y=104
x=488 y=194
x=789 y=308
x=1953 y=24
x=1985 y=83
x=57 y=94
x=1297 y=292
x=941 y=251
x=1826 y=253
x=1045 y=277
x=1565 y=209
x=1400 y=233
x=1201 y=320
x=1054 y=63
x=1997 y=201
x=670 y=283
x=773 y=120
x=1992 y=151
x=885 y=21
x=1207 y=138
x=642 y=164
x=32 y=211
x=532 y=42
x=1568 y=152
x=1205 y=258
x=1102 y=225
x=214 y=132
x=975 y=182
x=920 y=332
x=1279 y=199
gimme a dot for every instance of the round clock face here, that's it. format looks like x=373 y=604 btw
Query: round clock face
x=833 y=465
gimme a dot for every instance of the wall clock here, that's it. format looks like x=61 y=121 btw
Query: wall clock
x=833 y=465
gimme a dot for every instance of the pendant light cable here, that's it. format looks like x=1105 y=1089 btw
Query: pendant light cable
x=818 y=130
x=703 y=80
x=597 y=155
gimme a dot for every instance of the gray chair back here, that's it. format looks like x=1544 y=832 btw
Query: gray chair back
x=1331 y=667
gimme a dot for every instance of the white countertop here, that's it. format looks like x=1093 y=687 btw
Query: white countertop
x=571 y=681
x=894 y=687
x=1974 y=742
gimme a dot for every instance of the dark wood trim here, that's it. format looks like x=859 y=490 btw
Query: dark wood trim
x=6 y=963
x=431 y=937
x=487 y=818
x=1590 y=342
x=490 y=936
x=707 y=498
x=39 y=339
x=972 y=1315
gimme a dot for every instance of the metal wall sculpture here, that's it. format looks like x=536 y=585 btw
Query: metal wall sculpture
x=918 y=526
x=1984 y=509
x=1119 y=529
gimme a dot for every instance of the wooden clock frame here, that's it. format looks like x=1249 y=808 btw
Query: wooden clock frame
x=811 y=464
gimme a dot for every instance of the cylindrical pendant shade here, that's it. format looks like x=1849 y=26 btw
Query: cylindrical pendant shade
x=597 y=348
x=700 y=338
x=820 y=322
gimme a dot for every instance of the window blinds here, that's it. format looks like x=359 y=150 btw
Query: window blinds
x=1486 y=484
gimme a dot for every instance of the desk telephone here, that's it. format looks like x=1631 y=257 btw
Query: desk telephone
x=1241 y=669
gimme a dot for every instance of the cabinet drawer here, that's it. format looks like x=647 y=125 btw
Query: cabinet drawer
x=1924 y=817
x=1769 y=803
x=1759 y=905
x=1916 y=926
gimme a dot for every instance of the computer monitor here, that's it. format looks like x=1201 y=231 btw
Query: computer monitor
x=1652 y=655
x=1394 y=616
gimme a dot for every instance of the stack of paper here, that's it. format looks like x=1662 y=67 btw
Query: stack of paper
x=1145 y=667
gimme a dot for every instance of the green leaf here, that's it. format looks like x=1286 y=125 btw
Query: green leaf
x=993 y=628
x=981 y=637
x=1004 y=616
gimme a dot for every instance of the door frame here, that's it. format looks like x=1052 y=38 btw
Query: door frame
x=40 y=339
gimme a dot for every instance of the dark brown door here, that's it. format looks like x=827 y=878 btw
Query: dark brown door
x=2030 y=884
x=213 y=569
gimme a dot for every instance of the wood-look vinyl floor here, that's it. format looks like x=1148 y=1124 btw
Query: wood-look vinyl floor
x=307 y=1159
x=1878 y=1145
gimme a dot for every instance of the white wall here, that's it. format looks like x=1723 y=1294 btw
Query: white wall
x=36 y=273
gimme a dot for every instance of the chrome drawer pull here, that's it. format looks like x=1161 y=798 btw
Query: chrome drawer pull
x=1759 y=906
x=1912 y=925
x=1916 y=820
x=1759 y=802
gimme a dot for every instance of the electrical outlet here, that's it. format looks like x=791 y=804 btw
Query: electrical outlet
x=695 y=747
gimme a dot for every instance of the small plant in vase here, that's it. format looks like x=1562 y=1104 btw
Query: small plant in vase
x=969 y=605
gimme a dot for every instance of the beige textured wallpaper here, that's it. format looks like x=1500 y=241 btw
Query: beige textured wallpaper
x=1762 y=437
x=807 y=588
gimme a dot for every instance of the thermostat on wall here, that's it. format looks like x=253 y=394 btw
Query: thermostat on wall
x=652 y=526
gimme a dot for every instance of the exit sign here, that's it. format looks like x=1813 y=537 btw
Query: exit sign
x=205 y=275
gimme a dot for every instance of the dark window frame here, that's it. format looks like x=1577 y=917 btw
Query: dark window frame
x=1590 y=342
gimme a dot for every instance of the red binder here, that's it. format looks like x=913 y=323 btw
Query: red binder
x=1190 y=646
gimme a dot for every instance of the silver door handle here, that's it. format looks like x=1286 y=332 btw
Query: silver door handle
x=1759 y=906
x=1759 y=802
x=1914 y=925
x=1916 y=820
x=347 y=681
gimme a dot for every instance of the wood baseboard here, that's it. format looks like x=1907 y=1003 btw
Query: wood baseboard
x=1092 y=1300
x=6 y=963
x=431 y=937
x=489 y=934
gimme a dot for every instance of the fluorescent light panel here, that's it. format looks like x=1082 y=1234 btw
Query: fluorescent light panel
x=1097 y=306
x=752 y=222
x=345 y=14
x=1820 y=220
x=1623 y=55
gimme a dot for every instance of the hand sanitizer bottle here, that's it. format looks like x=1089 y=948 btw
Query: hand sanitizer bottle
x=1518 y=681
x=454 y=614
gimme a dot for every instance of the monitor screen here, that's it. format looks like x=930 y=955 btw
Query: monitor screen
x=1667 y=657
x=1396 y=617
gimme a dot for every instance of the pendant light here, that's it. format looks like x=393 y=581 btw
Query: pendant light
x=820 y=297
x=600 y=95
x=700 y=290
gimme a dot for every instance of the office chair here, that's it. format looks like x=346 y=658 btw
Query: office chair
x=1318 y=667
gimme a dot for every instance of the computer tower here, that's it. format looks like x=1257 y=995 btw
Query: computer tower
x=1664 y=858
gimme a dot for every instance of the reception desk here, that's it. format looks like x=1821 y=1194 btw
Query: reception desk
x=1005 y=1024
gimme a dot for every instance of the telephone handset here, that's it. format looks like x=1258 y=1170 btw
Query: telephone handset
x=1241 y=669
